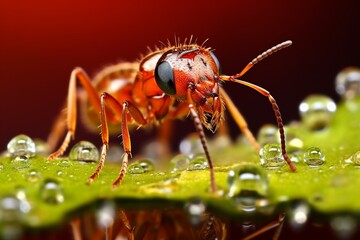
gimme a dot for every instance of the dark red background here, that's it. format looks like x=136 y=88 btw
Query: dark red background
x=42 y=41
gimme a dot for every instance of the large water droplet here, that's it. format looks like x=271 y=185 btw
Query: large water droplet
x=347 y=82
x=267 y=134
x=21 y=145
x=179 y=163
x=248 y=186
x=51 y=192
x=84 y=151
x=198 y=162
x=195 y=209
x=191 y=145
x=314 y=157
x=141 y=166
x=271 y=156
x=316 y=111
x=247 y=180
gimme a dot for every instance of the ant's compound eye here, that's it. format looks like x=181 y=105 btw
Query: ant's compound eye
x=164 y=77
x=216 y=60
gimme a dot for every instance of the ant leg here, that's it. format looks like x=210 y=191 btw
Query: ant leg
x=118 y=109
x=239 y=119
x=275 y=224
x=71 y=113
x=126 y=223
x=200 y=131
x=276 y=109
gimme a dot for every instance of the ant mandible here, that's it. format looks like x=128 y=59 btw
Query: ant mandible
x=167 y=83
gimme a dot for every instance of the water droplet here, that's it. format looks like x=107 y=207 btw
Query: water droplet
x=64 y=163
x=248 y=186
x=347 y=82
x=24 y=205
x=267 y=134
x=180 y=162
x=314 y=157
x=20 y=162
x=141 y=166
x=191 y=145
x=247 y=178
x=271 y=156
x=105 y=214
x=34 y=176
x=344 y=226
x=21 y=145
x=294 y=158
x=316 y=111
x=84 y=151
x=10 y=216
x=355 y=158
x=51 y=192
x=198 y=162
x=299 y=214
x=195 y=209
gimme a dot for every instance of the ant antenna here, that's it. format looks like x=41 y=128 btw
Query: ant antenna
x=262 y=56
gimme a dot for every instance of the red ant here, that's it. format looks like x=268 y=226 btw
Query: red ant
x=166 y=83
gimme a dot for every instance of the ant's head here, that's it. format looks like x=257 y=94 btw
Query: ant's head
x=191 y=71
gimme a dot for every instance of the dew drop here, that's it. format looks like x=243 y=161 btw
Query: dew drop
x=141 y=166
x=24 y=205
x=198 y=162
x=191 y=145
x=248 y=186
x=10 y=216
x=180 y=162
x=355 y=158
x=314 y=157
x=21 y=145
x=51 y=192
x=267 y=134
x=347 y=82
x=84 y=151
x=64 y=163
x=245 y=179
x=20 y=162
x=195 y=209
x=33 y=176
x=316 y=111
x=271 y=156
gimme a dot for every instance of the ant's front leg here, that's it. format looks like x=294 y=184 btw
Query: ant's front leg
x=71 y=112
x=118 y=109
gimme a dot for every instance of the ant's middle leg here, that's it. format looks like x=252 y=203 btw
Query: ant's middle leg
x=123 y=110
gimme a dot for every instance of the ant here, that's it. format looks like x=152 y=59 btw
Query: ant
x=167 y=83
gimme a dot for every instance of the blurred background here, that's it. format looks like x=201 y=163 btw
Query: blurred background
x=42 y=41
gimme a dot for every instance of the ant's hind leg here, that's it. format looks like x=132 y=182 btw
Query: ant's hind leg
x=71 y=112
